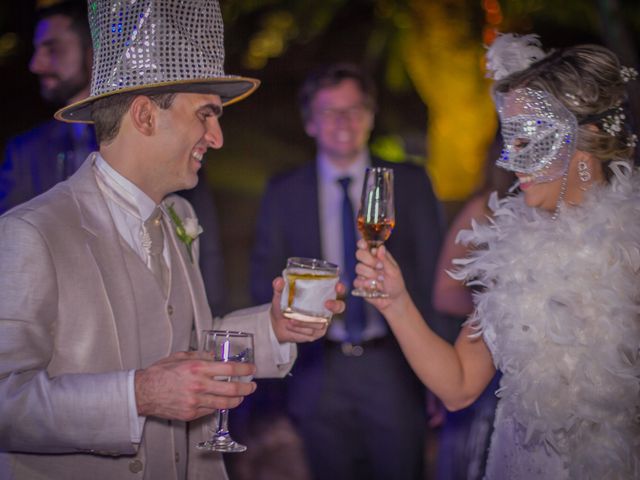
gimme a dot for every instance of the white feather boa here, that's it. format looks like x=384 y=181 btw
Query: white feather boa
x=560 y=313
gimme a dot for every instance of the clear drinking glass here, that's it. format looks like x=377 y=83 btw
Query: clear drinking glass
x=309 y=283
x=226 y=346
x=376 y=217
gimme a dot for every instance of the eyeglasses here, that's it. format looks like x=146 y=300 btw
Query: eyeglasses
x=356 y=112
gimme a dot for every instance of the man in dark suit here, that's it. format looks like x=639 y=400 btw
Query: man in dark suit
x=51 y=152
x=356 y=403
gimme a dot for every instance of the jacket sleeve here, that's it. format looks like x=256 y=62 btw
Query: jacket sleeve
x=416 y=244
x=257 y=320
x=13 y=187
x=428 y=229
x=269 y=256
x=39 y=412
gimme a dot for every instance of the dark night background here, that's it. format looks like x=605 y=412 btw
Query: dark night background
x=263 y=134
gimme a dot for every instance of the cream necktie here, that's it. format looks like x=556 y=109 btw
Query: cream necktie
x=155 y=247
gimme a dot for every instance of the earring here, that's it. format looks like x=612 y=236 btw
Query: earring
x=563 y=192
x=584 y=174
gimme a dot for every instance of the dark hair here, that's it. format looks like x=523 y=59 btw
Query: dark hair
x=107 y=112
x=587 y=80
x=76 y=10
x=330 y=76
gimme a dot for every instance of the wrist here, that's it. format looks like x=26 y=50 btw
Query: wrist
x=399 y=307
x=140 y=383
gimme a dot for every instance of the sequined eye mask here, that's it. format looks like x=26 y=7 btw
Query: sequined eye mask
x=539 y=134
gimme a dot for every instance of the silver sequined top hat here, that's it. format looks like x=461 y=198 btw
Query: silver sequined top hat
x=157 y=46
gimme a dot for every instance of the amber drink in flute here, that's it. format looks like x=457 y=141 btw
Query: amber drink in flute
x=376 y=218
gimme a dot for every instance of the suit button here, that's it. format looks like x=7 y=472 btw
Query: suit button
x=177 y=457
x=170 y=309
x=135 y=466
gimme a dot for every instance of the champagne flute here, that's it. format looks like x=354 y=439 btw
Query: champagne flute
x=226 y=346
x=376 y=217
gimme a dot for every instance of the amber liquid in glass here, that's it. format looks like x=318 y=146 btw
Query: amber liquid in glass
x=375 y=234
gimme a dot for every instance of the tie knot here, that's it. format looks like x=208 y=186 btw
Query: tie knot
x=154 y=219
x=344 y=183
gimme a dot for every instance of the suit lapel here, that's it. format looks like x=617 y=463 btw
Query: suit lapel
x=308 y=223
x=104 y=244
x=201 y=310
x=106 y=248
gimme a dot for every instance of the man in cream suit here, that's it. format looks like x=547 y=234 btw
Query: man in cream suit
x=98 y=313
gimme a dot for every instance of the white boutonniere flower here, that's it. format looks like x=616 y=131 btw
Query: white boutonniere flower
x=187 y=231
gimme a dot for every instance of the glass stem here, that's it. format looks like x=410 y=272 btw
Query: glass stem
x=223 y=423
x=373 y=287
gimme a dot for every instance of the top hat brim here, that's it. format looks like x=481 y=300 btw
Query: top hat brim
x=230 y=89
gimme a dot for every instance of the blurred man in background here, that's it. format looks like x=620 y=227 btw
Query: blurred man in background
x=38 y=159
x=354 y=400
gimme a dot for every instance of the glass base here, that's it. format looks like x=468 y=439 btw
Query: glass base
x=359 y=292
x=303 y=317
x=222 y=443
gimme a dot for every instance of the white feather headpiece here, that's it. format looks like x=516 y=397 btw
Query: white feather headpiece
x=511 y=53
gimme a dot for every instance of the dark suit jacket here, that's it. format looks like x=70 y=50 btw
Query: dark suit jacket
x=38 y=159
x=289 y=225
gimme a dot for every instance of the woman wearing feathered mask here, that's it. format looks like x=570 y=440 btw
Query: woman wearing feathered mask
x=558 y=308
